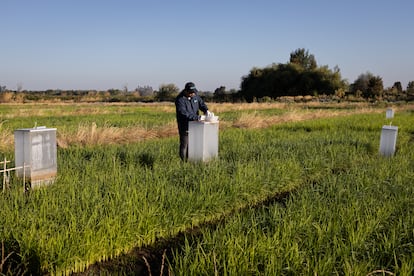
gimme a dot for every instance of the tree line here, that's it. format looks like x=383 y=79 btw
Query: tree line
x=300 y=76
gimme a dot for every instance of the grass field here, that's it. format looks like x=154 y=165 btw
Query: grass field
x=297 y=189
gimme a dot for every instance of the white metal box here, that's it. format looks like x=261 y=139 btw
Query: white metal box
x=35 y=148
x=389 y=114
x=388 y=140
x=202 y=140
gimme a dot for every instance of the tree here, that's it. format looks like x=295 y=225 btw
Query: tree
x=410 y=88
x=398 y=87
x=300 y=76
x=220 y=91
x=145 y=90
x=112 y=92
x=360 y=85
x=303 y=59
x=375 y=87
x=220 y=95
x=167 y=92
x=394 y=92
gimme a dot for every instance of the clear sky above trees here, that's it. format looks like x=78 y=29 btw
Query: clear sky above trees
x=103 y=44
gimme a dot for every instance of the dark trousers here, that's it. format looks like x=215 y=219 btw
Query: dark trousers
x=184 y=145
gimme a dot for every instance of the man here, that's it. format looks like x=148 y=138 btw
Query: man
x=187 y=105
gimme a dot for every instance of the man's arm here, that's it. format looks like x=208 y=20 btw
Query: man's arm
x=202 y=105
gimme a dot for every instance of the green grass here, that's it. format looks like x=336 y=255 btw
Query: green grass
x=353 y=217
x=350 y=212
x=351 y=223
x=69 y=117
x=107 y=200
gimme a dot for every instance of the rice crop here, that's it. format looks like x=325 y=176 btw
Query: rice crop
x=353 y=215
x=111 y=197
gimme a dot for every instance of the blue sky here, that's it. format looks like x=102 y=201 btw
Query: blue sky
x=88 y=44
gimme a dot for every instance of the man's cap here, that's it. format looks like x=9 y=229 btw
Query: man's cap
x=190 y=86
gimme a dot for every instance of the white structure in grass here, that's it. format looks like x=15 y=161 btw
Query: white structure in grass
x=35 y=148
x=389 y=133
x=389 y=114
x=203 y=140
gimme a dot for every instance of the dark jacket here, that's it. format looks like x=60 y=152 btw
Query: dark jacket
x=188 y=110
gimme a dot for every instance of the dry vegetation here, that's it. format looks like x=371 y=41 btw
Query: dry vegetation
x=294 y=112
x=90 y=134
x=93 y=135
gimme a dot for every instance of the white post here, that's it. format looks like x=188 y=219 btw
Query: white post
x=4 y=174
x=24 y=177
